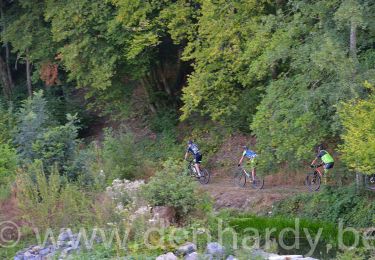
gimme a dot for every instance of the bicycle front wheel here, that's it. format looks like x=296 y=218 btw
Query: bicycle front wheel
x=313 y=181
x=258 y=183
x=240 y=179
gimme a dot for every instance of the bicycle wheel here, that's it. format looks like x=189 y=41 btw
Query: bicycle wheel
x=313 y=181
x=190 y=171
x=258 y=183
x=370 y=182
x=240 y=178
x=205 y=176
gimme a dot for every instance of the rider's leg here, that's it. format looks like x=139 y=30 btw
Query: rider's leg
x=252 y=164
x=327 y=177
x=198 y=160
x=198 y=168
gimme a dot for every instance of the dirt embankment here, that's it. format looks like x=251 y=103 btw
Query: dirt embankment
x=9 y=219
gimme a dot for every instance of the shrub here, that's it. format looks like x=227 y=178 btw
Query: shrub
x=331 y=204
x=120 y=156
x=51 y=202
x=8 y=163
x=87 y=168
x=163 y=147
x=7 y=122
x=164 y=121
x=8 y=166
x=171 y=187
x=57 y=145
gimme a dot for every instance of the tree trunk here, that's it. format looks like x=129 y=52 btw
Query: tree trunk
x=353 y=40
x=146 y=86
x=359 y=181
x=164 y=80
x=7 y=90
x=28 y=76
x=6 y=75
x=8 y=66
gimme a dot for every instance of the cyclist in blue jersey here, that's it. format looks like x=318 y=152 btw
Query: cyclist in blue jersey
x=194 y=150
x=251 y=155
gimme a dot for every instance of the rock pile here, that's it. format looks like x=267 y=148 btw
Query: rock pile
x=215 y=251
x=189 y=252
x=66 y=243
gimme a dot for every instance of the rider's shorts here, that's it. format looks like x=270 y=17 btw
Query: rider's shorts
x=198 y=158
x=328 y=165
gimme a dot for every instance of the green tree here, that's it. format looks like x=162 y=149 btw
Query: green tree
x=358 y=119
x=29 y=36
x=218 y=87
x=33 y=120
x=39 y=137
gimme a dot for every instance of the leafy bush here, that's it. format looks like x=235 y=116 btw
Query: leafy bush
x=331 y=204
x=7 y=122
x=8 y=163
x=356 y=254
x=163 y=147
x=87 y=168
x=164 y=121
x=170 y=187
x=120 y=156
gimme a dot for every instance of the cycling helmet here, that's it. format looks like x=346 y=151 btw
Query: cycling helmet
x=245 y=147
x=190 y=142
x=320 y=147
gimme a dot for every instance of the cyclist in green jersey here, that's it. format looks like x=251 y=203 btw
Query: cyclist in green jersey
x=327 y=160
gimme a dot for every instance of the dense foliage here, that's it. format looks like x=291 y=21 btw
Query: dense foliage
x=173 y=187
x=291 y=73
x=358 y=118
x=276 y=69
x=332 y=205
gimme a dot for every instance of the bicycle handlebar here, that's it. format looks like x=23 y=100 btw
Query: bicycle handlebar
x=314 y=166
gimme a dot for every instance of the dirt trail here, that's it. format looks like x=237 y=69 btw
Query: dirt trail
x=227 y=195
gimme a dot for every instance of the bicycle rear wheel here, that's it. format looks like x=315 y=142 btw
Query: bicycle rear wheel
x=258 y=183
x=240 y=178
x=313 y=181
x=370 y=182
x=205 y=176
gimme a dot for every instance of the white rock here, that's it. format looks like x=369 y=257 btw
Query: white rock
x=192 y=256
x=215 y=249
x=168 y=256
x=187 y=248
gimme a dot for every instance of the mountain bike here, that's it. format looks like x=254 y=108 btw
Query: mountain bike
x=313 y=179
x=370 y=182
x=242 y=176
x=204 y=177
